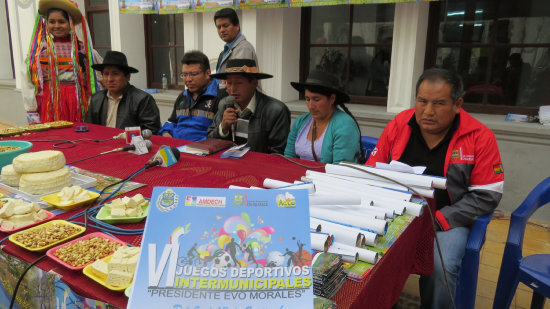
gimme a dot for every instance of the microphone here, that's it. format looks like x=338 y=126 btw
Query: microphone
x=231 y=100
x=165 y=156
x=146 y=133
x=148 y=144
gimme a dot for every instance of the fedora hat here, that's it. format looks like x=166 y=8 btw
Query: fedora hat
x=241 y=66
x=114 y=58
x=322 y=81
x=66 y=5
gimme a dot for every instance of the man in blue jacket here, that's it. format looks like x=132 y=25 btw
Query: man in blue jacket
x=194 y=108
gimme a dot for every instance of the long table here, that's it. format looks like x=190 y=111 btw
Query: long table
x=411 y=253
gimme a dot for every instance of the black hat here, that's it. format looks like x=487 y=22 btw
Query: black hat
x=114 y=58
x=241 y=66
x=326 y=82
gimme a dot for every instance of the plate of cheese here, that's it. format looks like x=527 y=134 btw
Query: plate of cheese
x=124 y=210
x=46 y=235
x=84 y=250
x=116 y=271
x=70 y=197
x=17 y=214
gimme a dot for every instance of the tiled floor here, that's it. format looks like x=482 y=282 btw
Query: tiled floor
x=536 y=240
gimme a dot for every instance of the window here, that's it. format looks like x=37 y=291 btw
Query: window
x=352 y=42
x=501 y=48
x=97 y=13
x=164 y=50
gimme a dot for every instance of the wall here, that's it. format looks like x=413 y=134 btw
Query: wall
x=5 y=53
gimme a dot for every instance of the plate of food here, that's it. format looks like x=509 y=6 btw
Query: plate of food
x=11 y=131
x=116 y=271
x=84 y=250
x=36 y=127
x=70 y=198
x=46 y=235
x=124 y=210
x=59 y=124
x=16 y=214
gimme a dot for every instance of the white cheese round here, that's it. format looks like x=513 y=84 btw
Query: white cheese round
x=37 y=162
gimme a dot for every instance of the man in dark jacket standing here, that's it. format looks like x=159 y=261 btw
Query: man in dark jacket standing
x=121 y=105
x=247 y=115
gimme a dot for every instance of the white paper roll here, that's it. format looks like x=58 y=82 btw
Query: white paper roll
x=341 y=233
x=322 y=198
x=408 y=179
x=362 y=222
x=415 y=209
x=364 y=254
x=370 y=239
x=348 y=256
x=275 y=184
x=320 y=241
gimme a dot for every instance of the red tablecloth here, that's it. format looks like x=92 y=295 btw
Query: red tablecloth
x=411 y=253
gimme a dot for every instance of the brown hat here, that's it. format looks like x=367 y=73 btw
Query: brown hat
x=117 y=59
x=241 y=66
x=68 y=6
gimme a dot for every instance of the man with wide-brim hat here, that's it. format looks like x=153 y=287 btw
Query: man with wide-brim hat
x=247 y=115
x=66 y=5
x=121 y=105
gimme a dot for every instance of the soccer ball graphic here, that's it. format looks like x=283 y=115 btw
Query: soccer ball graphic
x=223 y=260
x=275 y=259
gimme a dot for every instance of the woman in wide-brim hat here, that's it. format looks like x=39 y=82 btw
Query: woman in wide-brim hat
x=59 y=64
x=328 y=132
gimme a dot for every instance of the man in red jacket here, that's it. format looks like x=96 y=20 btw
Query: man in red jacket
x=440 y=135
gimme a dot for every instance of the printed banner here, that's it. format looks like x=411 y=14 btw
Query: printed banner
x=138 y=6
x=213 y=5
x=262 y=4
x=176 y=6
x=205 y=248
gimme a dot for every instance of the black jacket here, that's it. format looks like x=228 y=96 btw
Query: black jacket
x=268 y=127
x=137 y=108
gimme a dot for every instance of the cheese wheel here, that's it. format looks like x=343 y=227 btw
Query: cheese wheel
x=38 y=162
x=40 y=183
x=10 y=176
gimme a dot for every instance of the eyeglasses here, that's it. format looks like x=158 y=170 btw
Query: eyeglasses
x=190 y=74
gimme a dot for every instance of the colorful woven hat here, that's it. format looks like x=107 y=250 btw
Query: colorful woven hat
x=68 y=6
x=241 y=66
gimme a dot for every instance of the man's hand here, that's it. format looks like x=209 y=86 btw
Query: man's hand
x=230 y=116
x=166 y=134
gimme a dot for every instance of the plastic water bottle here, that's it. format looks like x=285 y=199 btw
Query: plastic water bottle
x=164 y=82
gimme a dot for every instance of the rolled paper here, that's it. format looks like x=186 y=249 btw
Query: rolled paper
x=358 y=186
x=370 y=239
x=348 y=256
x=237 y=187
x=440 y=182
x=314 y=226
x=341 y=233
x=256 y=188
x=320 y=241
x=273 y=183
x=322 y=198
x=364 y=254
x=415 y=209
x=395 y=208
x=362 y=222
x=374 y=173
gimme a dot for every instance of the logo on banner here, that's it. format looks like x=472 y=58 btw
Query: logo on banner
x=167 y=200
x=204 y=201
x=285 y=200
x=238 y=199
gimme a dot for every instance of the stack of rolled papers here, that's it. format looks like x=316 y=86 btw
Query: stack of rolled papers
x=328 y=274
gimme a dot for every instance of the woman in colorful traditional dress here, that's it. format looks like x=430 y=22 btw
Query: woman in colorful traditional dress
x=59 y=64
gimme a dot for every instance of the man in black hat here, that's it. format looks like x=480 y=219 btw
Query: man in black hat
x=121 y=105
x=247 y=115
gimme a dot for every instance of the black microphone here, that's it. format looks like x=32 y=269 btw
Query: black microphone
x=148 y=143
x=231 y=100
x=159 y=159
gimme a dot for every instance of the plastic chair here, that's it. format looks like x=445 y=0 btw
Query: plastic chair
x=368 y=143
x=466 y=284
x=532 y=270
